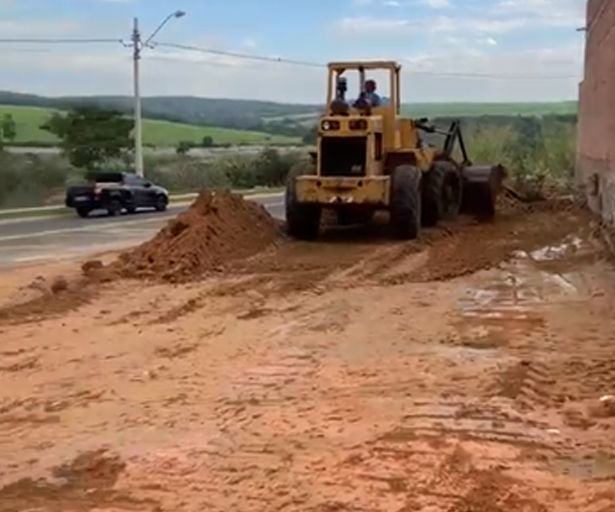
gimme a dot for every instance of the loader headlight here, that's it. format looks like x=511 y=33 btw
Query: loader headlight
x=358 y=124
x=327 y=126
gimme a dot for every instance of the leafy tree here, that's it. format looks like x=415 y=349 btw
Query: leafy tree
x=184 y=147
x=9 y=128
x=90 y=136
x=207 y=142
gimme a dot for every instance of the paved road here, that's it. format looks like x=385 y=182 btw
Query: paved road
x=29 y=240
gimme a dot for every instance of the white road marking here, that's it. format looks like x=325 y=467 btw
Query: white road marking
x=85 y=229
x=100 y=227
x=31 y=259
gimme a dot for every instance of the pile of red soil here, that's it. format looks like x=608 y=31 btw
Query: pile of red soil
x=217 y=228
x=517 y=227
x=44 y=298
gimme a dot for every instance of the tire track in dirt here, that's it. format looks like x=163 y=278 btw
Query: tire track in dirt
x=527 y=383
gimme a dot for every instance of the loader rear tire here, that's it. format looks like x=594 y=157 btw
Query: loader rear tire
x=302 y=220
x=441 y=193
x=406 y=202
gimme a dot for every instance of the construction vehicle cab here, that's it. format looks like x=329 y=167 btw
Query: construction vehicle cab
x=369 y=158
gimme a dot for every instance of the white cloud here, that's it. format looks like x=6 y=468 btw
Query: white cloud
x=565 y=13
x=362 y=24
x=452 y=47
x=437 y=4
x=38 y=29
x=490 y=24
x=502 y=16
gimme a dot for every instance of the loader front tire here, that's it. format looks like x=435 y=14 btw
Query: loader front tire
x=441 y=193
x=302 y=219
x=405 y=202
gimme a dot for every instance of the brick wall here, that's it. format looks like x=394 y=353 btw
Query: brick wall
x=595 y=172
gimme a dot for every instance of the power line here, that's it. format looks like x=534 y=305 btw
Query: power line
x=248 y=56
x=60 y=41
x=238 y=55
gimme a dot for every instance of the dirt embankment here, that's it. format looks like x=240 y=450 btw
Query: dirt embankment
x=217 y=228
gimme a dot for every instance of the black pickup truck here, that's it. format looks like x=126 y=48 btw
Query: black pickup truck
x=116 y=192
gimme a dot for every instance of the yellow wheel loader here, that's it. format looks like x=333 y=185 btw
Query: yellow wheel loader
x=369 y=158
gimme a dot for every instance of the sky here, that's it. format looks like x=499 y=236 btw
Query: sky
x=450 y=50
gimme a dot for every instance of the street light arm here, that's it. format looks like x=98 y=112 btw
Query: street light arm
x=176 y=14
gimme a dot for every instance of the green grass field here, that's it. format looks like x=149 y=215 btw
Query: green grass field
x=433 y=110
x=157 y=133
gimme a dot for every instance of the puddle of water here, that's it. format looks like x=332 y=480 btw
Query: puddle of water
x=507 y=305
x=600 y=466
x=489 y=356
x=571 y=245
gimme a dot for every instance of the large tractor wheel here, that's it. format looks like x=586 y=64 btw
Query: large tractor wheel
x=406 y=201
x=441 y=193
x=302 y=220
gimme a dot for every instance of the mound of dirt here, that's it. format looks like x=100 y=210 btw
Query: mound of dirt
x=217 y=228
x=46 y=297
x=517 y=227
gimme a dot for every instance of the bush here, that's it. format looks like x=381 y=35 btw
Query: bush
x=535 y=156
x=547 y=158
x=30 y=179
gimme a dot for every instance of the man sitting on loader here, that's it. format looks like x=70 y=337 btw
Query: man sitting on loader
x=370 y=93
x=369 y=97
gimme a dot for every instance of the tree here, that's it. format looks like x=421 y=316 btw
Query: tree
x=184 y=147
x=90 y=135
x=9 y=128
x=207 y=142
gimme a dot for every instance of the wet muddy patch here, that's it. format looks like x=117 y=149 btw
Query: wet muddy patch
x=505 y=306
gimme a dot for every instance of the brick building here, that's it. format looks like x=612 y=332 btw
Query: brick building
x=595 y=171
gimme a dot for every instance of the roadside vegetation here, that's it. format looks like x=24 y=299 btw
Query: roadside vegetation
x=538 y=150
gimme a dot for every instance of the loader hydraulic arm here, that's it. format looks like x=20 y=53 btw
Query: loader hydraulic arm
x=452 y=134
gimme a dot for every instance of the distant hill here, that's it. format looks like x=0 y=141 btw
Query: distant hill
x=448 y=110
x=237 y=114
x=155 y=132
x=283 y=119
x=434 y=110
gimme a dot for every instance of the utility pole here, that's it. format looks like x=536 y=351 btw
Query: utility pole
x=137 y=46
x=138 y=132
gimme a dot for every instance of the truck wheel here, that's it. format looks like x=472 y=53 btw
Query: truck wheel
x=161 y=203
x=302 y=220
x=441 y=193
x=83 y=212
x=114 y=208
x=405 y=202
